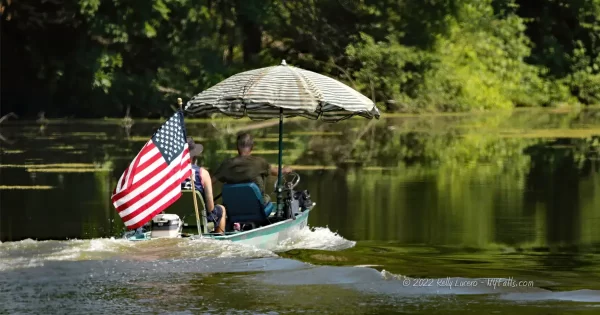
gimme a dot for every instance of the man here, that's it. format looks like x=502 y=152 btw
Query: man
x=246 y=167
x=203 y=183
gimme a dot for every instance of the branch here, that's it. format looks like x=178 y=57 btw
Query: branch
x=345 y=72
x=5 y=117
x=6 y=140
x=358 y=138
x=170 y=90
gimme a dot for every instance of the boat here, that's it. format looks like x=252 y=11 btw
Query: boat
x=247 y=221
x=270 y=92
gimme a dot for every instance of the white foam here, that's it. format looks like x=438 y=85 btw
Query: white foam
x=29 y=253
x=206 y=247
x=314 y=238
x=18 y=263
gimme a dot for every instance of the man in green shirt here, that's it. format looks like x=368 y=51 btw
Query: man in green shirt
x=245 y=167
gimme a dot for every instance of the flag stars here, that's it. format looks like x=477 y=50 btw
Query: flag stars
x=169 y=139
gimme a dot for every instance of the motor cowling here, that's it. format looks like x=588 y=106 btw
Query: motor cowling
x=166 y=225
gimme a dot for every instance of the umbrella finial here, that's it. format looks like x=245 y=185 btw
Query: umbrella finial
x=283 y=63
x=179 y=102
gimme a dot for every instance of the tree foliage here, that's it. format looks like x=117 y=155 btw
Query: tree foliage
x=91 y=58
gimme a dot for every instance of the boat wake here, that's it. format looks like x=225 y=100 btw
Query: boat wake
x=314 y=238
x=305 y=238
x=384 y=283
x=99 y=273
x=31 y=253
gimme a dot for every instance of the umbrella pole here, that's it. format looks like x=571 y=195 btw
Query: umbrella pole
x=180 y=102
x=279 y=175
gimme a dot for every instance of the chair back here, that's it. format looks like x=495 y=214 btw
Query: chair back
x=244 y=203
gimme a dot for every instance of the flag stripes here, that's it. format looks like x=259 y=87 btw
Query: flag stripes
x=152 y=181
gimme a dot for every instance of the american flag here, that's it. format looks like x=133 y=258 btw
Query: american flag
x=152 y=181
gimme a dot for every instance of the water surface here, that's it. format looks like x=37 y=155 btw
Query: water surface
x=441 y=214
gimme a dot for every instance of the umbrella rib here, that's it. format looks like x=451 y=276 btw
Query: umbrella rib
x=318 y=96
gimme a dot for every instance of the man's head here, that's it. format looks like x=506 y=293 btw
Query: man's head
x=244 y=144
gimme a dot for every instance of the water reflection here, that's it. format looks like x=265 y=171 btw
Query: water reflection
x=522 y=179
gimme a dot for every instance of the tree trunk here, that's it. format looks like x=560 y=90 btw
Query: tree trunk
x=251 y=31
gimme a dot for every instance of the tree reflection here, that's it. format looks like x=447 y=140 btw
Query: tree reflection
x=505 y=179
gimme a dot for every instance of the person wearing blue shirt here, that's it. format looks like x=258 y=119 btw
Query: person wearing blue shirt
x=203 y=184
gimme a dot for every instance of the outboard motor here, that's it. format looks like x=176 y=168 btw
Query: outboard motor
x=295 y=202
x=166 y=225
x=303 y=198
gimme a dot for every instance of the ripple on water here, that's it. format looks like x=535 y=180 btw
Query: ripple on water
x=30 y=253
x=384 y=283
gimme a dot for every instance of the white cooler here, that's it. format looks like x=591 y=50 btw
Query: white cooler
x=166 y=225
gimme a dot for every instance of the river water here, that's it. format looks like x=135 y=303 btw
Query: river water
x=492 y=213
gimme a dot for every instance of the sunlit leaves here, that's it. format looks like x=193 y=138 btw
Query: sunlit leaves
x=160 y=7
x=89 y=7
x=107 y=65
x=411 y=55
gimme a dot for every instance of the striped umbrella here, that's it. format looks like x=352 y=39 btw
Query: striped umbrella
x=271 y=91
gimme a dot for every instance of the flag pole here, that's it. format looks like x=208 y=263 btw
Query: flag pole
x=180 y=102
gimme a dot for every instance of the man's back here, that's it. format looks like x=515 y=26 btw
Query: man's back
x=244 y=169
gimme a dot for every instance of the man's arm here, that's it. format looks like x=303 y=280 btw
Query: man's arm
x=216 y=173
x=284 y=170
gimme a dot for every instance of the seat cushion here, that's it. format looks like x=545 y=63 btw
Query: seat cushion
x=269 y=208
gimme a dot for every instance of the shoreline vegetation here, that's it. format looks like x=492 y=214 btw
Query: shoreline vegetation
x=501 y=139
x=270 y=122
x=94 y=59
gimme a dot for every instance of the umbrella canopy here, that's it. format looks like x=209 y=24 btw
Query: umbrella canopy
x=267 y=92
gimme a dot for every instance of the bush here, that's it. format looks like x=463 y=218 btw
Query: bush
x=477 y=63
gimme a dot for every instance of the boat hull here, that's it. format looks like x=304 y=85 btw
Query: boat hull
x=265 y=237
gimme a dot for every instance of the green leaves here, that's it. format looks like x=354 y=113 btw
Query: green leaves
x=89 y=7
x=476 y=62
x=160 y=7
x=434 y=55
x=107 y=65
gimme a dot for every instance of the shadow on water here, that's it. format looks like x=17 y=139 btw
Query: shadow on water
x=493 y=195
